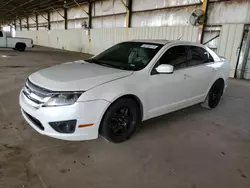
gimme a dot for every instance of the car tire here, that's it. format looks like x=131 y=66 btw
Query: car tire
x=20 y=47
x=120 y=120
x=214 y=95
x=14 y=49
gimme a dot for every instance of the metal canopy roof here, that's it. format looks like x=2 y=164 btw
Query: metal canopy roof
x=12 y=9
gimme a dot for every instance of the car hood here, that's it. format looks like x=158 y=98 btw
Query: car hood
x=76 y=76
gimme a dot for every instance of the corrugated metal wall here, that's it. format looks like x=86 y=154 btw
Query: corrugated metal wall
x=244 y=67
x=231 y=36
x=111 y=13
x=105 y=37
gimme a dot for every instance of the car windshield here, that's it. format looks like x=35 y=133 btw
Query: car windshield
x=127 y=55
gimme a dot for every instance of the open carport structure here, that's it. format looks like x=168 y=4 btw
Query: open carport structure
x=190 y=148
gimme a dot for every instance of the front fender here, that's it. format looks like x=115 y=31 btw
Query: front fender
x=112 y=91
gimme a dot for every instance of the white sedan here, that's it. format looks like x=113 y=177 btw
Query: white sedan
x=112 y=92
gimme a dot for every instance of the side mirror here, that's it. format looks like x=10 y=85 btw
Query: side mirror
x=208 y=55
x=165 y=69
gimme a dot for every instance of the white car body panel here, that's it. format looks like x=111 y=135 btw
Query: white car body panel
x=10 y=42
x=82 y=111
x=158 y=94
x=80 y=76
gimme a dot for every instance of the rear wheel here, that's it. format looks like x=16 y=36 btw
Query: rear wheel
x=214 y=95
x=119 y=121
x=20 y=47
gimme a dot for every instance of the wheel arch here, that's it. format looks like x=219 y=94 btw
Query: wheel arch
x=220 y=80
x=138 y=102
x=134 y=98
x=21 y=43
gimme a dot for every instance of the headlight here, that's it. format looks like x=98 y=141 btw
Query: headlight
x=63 y=99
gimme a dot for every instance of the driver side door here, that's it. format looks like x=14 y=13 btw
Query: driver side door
x=168 y=92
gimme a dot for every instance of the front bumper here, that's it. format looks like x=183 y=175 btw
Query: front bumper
x=84 y=112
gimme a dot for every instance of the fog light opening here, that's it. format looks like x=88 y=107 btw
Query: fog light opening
x=66 y=127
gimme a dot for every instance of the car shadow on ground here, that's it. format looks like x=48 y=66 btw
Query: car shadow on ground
x=167 y=119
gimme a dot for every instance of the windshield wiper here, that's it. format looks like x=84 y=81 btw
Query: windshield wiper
x=92 y=61
x=102 y=63
x=106 y=64
x=98 y=62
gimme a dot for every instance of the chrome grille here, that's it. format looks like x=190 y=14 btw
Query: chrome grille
x=35 y=93
x=38 y=90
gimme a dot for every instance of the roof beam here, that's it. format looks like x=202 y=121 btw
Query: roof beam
x=8 y=2
x=33 y=8
x=81 y=7
x=20 y=5
x=57 y=12
x=30 y=7
x=42 y=15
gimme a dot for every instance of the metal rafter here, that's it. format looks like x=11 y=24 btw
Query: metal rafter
x=20 y=6
x=57 y=12
x=8 y=2
x=81 y=7
x=13 y=9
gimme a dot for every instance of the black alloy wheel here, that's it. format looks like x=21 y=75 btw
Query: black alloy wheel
x=119 y=121
x=215 y=94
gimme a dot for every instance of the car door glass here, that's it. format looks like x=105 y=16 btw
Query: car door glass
x=1 y=34
x=176 y=56
x=199 y=56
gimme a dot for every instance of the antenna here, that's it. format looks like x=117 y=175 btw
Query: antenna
x=180 y=37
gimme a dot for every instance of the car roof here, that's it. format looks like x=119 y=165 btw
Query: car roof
x=164 y=42
x=153 y=41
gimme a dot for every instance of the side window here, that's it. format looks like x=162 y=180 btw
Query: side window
x=1 y=34
x=199 y=56
x=176 y=56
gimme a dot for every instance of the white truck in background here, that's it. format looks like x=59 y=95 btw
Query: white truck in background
x=16 y=43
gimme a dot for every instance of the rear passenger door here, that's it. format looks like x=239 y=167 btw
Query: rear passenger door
x=200 y=72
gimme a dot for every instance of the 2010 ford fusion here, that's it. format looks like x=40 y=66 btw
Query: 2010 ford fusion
x=112 y=92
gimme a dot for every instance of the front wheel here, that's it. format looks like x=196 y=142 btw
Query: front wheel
x=119 y=121
x=214 y=95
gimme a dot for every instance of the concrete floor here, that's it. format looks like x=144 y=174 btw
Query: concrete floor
x=191 y=148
